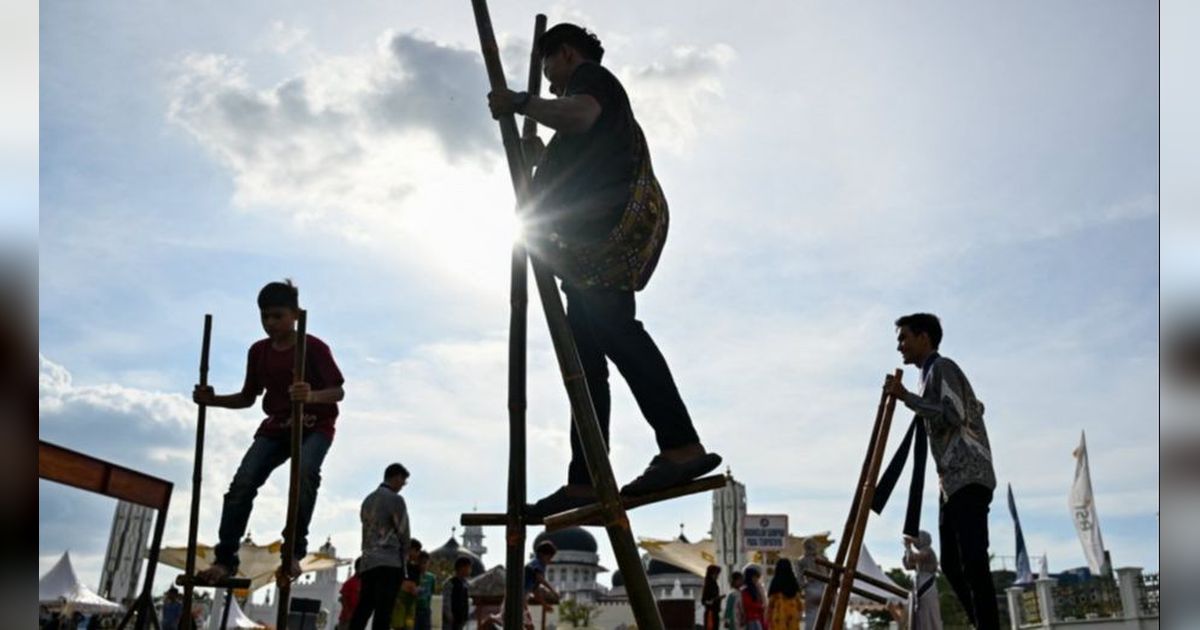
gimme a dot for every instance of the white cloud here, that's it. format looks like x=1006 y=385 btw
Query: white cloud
x=283 y=38
x=675 y=99
x=396 y=146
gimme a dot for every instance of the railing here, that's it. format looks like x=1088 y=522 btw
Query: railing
x=1148 y=595
x=1087 y=600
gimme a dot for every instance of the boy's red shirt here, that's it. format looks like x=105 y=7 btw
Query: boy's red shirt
x=271 y=370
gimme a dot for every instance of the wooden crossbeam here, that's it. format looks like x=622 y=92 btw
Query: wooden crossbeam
x=591 y=514
x=866 y=579
x=857 y=591
x=231 y=582
x=77 y=470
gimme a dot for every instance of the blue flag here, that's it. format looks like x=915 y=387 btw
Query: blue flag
x=1024 y=573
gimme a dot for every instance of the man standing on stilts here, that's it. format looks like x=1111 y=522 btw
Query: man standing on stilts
x=599 y=222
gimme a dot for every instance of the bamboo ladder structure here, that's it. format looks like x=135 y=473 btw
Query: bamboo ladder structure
x=609 y=510
x=188 y=579
x=840 y=582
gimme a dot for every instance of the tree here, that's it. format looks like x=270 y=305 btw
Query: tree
x=900 y=577
x=575 y=613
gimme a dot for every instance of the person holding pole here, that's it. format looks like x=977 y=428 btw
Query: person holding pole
x=269 y=367
x=919 y=556
x=599 y=221
x=946 y=408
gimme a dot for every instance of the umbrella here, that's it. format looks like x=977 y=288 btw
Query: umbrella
x=257 y=562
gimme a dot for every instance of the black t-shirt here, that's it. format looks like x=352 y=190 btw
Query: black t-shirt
x=583 y=181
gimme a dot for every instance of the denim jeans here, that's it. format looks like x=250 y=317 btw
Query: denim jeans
x=264 y=456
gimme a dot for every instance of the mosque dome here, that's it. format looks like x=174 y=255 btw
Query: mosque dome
x=569 y=539
x=451 y=551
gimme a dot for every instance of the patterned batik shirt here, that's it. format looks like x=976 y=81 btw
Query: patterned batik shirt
x=954 y=420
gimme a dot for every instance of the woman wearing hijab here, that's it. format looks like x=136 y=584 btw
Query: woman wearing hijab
x=783 y=598
x=919 y=556
x=753 y=613
x=710 y=598
x=812 y=588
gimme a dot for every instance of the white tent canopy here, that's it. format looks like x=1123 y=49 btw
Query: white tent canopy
x=695 y=557
x=237 y=618
x=868 y=566
x=60 y=589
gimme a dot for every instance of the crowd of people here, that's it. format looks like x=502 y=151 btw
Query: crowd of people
x=792 y=597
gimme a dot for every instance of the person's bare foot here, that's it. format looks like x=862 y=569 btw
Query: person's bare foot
x=290 y=575
x=216 y=572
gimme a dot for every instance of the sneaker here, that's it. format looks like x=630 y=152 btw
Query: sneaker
x=556 y=502
x=663 y=473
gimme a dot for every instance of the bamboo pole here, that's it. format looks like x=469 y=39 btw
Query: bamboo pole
x=225 y=610
x=514 y=540
x=590 y=514
x=868 y=493
x=197 y=476
x=146 y=614
x=284 y=579
x=829 y=594
x=582 y=411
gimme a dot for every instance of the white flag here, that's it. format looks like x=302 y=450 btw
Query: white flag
x=1083 y=510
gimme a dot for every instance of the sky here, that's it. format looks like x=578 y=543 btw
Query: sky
x=828 y=167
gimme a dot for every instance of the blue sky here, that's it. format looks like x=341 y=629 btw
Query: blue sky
x=829 y=168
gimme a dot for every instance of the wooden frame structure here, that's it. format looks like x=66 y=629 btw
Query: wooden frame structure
x=840 y=584
x=72 y=468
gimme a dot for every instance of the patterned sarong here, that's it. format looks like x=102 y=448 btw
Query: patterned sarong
x=626 y=258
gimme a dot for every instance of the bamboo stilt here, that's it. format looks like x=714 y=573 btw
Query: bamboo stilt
x=583 y=413
x=297 y=437
x=185 y=622
x=514 y=520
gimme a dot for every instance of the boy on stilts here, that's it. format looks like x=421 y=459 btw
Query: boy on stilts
x=599 y=223
x=269 y=368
